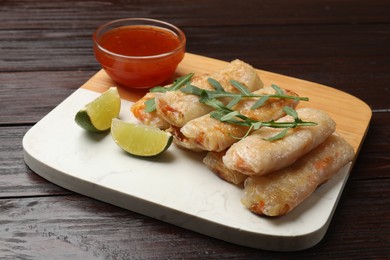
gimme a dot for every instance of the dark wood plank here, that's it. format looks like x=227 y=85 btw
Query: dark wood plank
x=261 y=46
x=278 y=49
x=359 y=226
x=46 y=53
x=27 y=97
x=75 y=226
x=16 y=179
x=374 y=158
x=203 y=13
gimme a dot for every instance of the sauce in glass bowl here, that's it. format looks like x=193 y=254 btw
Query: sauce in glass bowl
x=139 y=52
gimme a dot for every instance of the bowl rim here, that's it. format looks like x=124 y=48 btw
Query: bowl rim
x=176 y=30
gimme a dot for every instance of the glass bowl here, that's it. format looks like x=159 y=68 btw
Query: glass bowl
x=139 y=52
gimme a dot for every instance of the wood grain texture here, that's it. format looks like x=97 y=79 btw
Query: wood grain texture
x=46 y=54
x=75 y=226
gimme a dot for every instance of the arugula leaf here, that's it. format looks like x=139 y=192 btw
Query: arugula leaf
x=227 y=115
x=150 y=105
x=278 y=136
x=216 y=85
x=215 y=103
x=260 y=102
x=278 y=90
x=234 y=102
x=243 y=90
x=291 y=112
x=177 y=84
x=191 y=89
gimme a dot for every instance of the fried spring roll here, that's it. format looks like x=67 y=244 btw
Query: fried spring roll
x=178 y=108
x=280 y=192
x=148 y=118
x=181 y=141
x=256 y=156
x=153 y=118
x=213 y=160
x=209 y=134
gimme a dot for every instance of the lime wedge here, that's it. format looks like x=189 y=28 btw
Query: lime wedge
x=140 y=140
x=97 y=115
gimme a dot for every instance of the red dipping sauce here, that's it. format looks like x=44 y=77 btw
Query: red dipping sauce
x=138 y=52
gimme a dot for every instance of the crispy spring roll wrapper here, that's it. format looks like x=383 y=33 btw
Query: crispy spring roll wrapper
x=213 y=160
x=280 y=192
x=178 y=108
x=181 y=140
x=153 y=118
x=256 y=156
x=148 y=118
x=209 y=134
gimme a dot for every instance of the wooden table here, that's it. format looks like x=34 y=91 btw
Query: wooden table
x=46 y=54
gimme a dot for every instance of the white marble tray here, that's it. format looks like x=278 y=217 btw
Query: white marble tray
x=176 y=187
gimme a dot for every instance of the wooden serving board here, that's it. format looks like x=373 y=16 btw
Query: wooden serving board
x=176 y=187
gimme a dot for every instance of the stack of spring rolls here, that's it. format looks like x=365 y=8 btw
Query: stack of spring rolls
x=277 y=175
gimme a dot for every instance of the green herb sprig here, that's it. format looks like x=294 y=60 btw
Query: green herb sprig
x=227 y=115
x=219 y=92
x=150 y=104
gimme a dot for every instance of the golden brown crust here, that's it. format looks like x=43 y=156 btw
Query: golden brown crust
x=210 y=134
x=178 y=108
x=256 y=156
x=148 y=118
x=280 y=192
x=214 y=161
